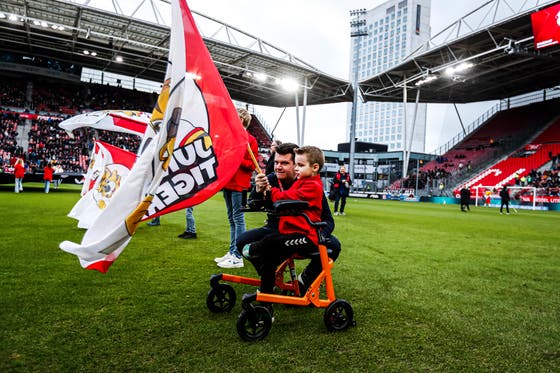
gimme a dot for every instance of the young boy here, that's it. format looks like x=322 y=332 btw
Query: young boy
x=296 y=235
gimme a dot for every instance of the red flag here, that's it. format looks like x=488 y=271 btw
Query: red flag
x=216 y=136
x=196 y=145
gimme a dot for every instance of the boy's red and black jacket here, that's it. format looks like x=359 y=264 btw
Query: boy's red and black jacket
x=308 y=189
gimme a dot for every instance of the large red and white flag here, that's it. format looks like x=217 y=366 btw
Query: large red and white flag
x=197 y=146
x=108 y=169
x=126 y=121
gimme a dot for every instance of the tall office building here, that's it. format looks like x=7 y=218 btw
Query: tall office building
x=394 y=29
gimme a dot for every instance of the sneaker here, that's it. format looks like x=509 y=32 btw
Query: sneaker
x=222 y=258
x=507 y=213
x=335 y=213
x=232 y=262
x=187 y=235
x=342 y=213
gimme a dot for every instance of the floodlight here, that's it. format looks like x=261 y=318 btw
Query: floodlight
x=463 y=66
x=94 y=54
x=44 y=24
x=288 y=84
x=119 y=59
x=35 y=22
x=86 y=52
x=2 y=15
x=261 y=77
x=12 y=17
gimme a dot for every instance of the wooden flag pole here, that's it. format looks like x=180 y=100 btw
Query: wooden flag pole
x=254 y=159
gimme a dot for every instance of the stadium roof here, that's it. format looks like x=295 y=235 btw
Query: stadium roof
x=63 y=30
x=504 y=61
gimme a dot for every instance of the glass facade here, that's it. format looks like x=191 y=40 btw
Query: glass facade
x=394 y=29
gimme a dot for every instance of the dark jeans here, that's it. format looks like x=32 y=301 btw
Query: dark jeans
x=342 y=198
x=274 y=249
x=254 y=235
x=506 y=204
x=313 y=268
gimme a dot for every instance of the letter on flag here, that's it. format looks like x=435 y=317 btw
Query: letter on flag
x=108 y=169
x=198 y=143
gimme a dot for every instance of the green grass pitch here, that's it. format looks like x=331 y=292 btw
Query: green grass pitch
x=433 y=289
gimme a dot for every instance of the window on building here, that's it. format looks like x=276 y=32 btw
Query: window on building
x=418 y=14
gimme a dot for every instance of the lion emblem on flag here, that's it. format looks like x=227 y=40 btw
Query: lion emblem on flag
x=108 y=185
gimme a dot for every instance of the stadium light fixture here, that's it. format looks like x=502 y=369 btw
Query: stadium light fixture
x=427 y=79
x=288 y=84
x=261 y=77
x=94 y=53
x=44 y=24
x=86 y=52
x=36 y=22
x=2 y=16
x=461 y=67
x=119 y=59
x=12 y=17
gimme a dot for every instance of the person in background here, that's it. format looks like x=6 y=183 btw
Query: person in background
x=19 y=173
x=233 y=195
x=504 y=195
x=155 y=222
x=270 y=162
x=341 y=183
x=465 y=199
x=190 y=228
x=48 y=176
x=487 y=198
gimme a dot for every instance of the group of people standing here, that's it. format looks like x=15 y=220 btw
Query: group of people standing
x=465 y=198
x=19 y=174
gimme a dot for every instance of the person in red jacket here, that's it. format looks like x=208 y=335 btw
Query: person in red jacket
x=341 y=183
x=47 y=176
x=295 y=234
x=19 y=173
x=233 y=195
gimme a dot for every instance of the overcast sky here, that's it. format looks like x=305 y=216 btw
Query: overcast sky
x=317 y=31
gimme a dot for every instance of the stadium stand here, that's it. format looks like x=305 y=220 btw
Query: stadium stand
x=524 y=162
x=32 y=107
x=499 y=136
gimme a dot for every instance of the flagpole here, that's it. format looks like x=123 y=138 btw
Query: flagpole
x=259 y=171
